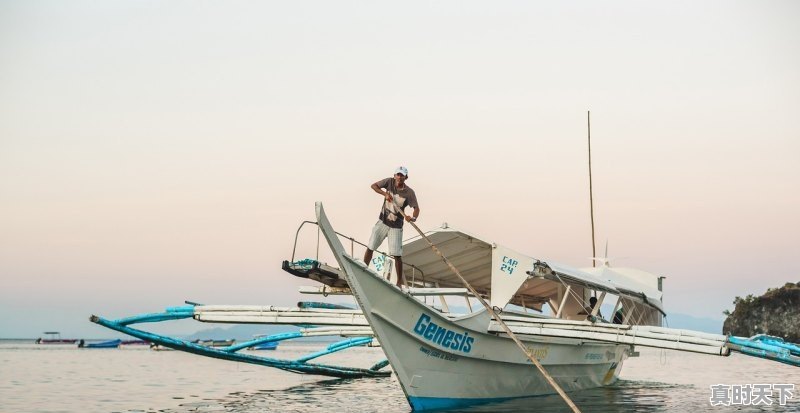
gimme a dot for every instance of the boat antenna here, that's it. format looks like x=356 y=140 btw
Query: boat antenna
x=494 y=315
x=591 y=201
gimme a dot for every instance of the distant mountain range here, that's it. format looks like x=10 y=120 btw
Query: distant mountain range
x=687 y=322
x=244 y=332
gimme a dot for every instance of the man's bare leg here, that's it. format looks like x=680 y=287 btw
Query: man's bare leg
x=398 y=265
x=368 y=256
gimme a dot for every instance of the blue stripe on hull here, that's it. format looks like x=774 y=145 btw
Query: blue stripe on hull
x=444 y=403
x=441 y=403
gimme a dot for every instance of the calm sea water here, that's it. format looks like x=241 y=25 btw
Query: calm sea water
x=38 y=378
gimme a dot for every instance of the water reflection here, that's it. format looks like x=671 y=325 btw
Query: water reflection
x=625 y=396
x=348 y=395
x=34 y=379
x=384 y=395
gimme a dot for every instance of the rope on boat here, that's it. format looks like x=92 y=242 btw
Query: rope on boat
x=494 y=315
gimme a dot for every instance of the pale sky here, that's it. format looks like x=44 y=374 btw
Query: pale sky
x=153 y=152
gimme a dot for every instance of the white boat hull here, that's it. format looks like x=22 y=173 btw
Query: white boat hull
x=450 y=363
x=463 y=365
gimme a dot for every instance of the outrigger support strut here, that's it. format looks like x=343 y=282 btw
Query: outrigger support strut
x=300 y=365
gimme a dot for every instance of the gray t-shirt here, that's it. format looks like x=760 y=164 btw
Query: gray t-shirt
x=403 y=197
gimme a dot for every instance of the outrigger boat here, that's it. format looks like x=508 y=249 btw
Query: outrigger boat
x=103 y=344
x=272 y=345
x=443 y=361
x=215 y=343
x=54 y=337
x=447 y=355
x=269 y=345
x=134 y=343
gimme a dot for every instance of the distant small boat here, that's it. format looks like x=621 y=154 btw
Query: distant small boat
x=54 y=337
x=215 y=343
x=102 y=344
x=157 y=347
x=269 y=345
x=134 y=343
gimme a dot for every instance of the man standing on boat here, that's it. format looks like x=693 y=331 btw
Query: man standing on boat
x=395 y=193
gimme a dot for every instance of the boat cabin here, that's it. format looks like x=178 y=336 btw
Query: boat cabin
x=513 y=281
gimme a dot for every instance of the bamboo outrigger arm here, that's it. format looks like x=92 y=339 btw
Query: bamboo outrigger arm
x=299 y=365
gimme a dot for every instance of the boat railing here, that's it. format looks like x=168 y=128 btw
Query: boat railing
x=414 y=269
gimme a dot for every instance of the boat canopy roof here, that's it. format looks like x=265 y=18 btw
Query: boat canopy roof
x=501 y=273
x=470 y=254
x=637 y=284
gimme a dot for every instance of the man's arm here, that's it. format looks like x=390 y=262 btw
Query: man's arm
x=413 y=204
x=385 y=194
x=413 y=216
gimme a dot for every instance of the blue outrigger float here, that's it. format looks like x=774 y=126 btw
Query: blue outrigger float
x=767 y=347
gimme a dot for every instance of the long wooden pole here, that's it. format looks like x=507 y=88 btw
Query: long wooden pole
x=494 y=315
x=591 y=201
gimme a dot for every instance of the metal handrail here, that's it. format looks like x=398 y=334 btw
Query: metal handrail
x=352 y=247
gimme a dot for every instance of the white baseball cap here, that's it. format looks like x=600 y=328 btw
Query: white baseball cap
x=401 y=170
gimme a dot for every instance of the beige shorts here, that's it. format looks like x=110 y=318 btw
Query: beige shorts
x=380 y=232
